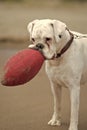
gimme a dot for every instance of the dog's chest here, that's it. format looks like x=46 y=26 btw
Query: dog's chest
x=58 y=72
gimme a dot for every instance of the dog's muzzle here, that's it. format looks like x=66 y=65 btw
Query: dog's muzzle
x=39 y=46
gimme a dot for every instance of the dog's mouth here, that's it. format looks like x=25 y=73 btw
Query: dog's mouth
x=40 y=49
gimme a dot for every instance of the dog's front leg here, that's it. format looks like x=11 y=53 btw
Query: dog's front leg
x=56 y=118
x=74 y=94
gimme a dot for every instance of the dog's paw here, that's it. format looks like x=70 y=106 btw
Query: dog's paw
x=54 y=122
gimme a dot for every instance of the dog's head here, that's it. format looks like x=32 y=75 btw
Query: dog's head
x=47 y=36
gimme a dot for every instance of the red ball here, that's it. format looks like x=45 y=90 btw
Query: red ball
x=22 y=67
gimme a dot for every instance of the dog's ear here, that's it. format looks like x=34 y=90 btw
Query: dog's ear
x=30 y=26
x=58 y=28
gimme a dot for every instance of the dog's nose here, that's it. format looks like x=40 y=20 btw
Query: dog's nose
x=40 y=46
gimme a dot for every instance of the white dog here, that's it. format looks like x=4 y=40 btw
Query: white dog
x=66 y=62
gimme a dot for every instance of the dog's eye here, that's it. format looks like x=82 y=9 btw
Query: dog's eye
x=48 y=39
x=60 y=36
x=33 y=40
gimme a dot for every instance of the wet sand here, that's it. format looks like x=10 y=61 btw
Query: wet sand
x=30 y=106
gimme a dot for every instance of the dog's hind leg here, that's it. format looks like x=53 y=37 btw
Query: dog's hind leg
x=74 y=94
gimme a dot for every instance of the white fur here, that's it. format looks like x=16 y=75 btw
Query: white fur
x=67 y=71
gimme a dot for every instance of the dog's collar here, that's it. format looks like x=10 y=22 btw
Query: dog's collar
x=65 y=48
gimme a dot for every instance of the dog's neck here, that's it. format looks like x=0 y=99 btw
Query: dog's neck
x=67 y=45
